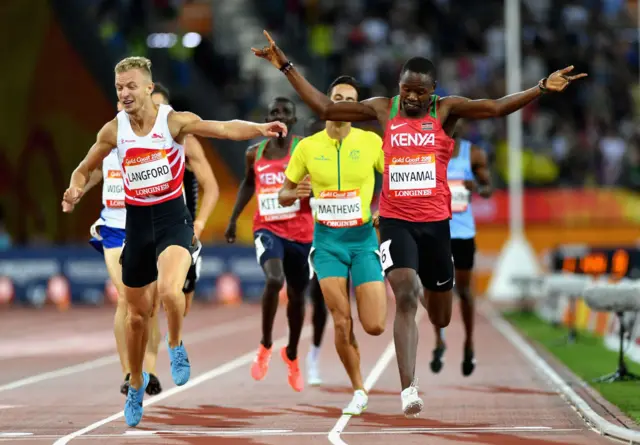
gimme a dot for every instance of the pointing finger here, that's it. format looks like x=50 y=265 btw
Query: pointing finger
x=578 y=76
x=567 y=69
x=268 y=36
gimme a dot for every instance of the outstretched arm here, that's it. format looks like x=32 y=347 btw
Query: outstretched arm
x=105 y=142
x=324 y=107
x=237 y=130
x=461 y=107
x=205 y=177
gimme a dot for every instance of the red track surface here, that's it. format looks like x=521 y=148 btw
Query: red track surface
x=504 y=402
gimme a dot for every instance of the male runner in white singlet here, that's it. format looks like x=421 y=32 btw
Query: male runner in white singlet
x=160 y=243
x=107 y=237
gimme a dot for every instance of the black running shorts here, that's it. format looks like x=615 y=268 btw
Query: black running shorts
x=422 y=246
x=149 y=230
x=464 y=252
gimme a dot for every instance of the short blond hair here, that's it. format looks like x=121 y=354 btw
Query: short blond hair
x=131 y=63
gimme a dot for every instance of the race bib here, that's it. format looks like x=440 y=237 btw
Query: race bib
x=413 y=175
x=336 y=208
x=148 y=173
x=113 y=190
x=459 y=196
x=270 y=209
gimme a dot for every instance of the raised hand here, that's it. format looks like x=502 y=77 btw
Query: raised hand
x=273 y=129
x=271 y=52
x=561 y=79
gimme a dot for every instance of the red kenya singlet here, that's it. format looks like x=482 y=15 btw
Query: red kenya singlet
x=294 y=222
x=416 y=155
x=152 y=165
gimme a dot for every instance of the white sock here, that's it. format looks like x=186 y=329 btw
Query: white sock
x=314 y=352
x=442 y=333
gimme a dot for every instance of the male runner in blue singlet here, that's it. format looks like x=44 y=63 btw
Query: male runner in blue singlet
x=468 y=172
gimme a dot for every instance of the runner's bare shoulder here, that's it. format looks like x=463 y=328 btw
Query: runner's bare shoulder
x=108 y=134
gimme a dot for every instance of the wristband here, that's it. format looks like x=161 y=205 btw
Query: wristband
x=542 y=84
x=286 y=67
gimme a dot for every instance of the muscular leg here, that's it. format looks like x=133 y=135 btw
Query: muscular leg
x=295 y=317
x=467 y=309
x=274 y=281
x=336 y=297
x=139 y=300
x=439 y=306
x=406 y=288
x=463 y=286
x=319 y=319
x=153 y=344
x=188 y=298
x=319 y=311
x=372 y=306
x=173 y=263
x=112 y=261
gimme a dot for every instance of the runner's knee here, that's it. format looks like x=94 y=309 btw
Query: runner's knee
x=169 y=296
x=465 y=294
x=439 y=305
x=342 y=327
x=406 y=298
x=274 y=282
x=136 y=318
x=373 y=327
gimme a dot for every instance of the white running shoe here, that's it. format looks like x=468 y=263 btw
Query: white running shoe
x=411 y=402
x=358 y=404
x=313 y=371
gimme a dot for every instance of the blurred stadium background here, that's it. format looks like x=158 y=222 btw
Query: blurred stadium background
x=581 y=150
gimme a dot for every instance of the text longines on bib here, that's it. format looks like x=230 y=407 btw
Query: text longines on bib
x=459 y=196
x=339 y=208
x=413 y=175
x=148 y=173
x=113 y=190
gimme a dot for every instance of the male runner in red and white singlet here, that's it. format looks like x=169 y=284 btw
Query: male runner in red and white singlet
x=160 y=245
x=415 y=205
x=282 y=237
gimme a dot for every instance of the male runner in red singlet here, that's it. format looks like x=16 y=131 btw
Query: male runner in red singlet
x=283 y=237
x=415 y=204
x=160 y=245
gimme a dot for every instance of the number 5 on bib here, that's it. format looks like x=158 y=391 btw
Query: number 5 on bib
x=385 y=255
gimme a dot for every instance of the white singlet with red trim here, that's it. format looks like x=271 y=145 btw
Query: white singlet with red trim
x=153 y=165
x=113 y=213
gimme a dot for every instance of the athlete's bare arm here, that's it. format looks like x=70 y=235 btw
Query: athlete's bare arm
x=105 y=142
x=462 y=107
x=94 y=179
x=245 y=193
x=480 y=168
x=182 y=123
x=291 y=191
x=205 y=177
x=375 y=108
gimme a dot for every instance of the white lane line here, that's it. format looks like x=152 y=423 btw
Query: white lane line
x=202 y=378
x=190 y=338
x=132 y=435
x=382 y=363
x=591 y=418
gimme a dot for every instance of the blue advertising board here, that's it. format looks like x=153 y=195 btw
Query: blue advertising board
x=31 y=268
